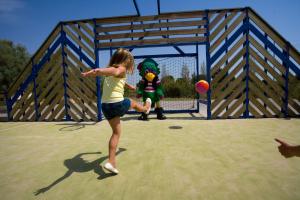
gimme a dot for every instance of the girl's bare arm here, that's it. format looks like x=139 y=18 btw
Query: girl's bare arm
x=131 y=87
x=109 y=71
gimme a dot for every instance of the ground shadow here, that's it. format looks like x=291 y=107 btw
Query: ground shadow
x=74 y=126
x=78 y=164
x=191 y=116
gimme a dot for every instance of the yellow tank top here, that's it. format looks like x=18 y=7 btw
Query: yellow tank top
x=113 y=89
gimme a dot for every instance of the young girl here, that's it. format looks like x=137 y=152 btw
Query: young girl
x=113 y=103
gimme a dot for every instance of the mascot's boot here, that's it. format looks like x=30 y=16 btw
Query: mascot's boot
x=159 y=112
x=143 y=117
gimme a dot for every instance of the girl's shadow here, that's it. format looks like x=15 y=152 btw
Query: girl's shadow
x=77 y=164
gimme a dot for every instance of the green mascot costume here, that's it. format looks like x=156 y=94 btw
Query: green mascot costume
x=150 y=87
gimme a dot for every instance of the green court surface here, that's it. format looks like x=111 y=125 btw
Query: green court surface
x=179 y=158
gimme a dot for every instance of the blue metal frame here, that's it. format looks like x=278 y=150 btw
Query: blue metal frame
x=166 y=55
x=286 y=87
x=197 y=75
x=150 y=46
x=8 y=105
x=136 y=7
x=63 y=43
x=98 y=86
x=228 y=43
x=246 y=22
x=273 y=48
x=158 y=7
x=208 y=65
x=38 y=67
x=34 y=91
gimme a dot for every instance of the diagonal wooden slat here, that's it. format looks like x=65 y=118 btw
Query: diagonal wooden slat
x=80 y=115
x=226 y=102
x=54 y=87
x=50 y=86
x=293 y=104
x=216 y=20
x=74 y=71
x=222 y=73
x=239 y=112
x=266 y=54
x=84 y=47
x=48 y=109
x=86 y=29
x=81 y=86
x=79 y=93
x=222 y=26
x=259 y=105
x=217 y=87
x=46 y=45
x=267 y=89
x=222 y=37
x=254 y=68
x=253 y=111
x=73 y=115
x=15 y=86
x=19 y=103
x=215 y=68
x=233 y=107
x=295 y=55
x=46 y=80
x=27 y=100
x=259 y=94
x=264 y=64
x=228 y=90
x=263 y=26
x=83 y=36
x=81 y=104
x=60 y=106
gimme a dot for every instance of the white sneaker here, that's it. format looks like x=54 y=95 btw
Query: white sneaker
x=148 y=100
x=110 y=168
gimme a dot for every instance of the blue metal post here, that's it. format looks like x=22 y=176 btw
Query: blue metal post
x=63 y=36
x=246 y=22
x=98 y=86
x=34 y=72
x=197 y=75
x=266 y=60
x=207 y=34
x=8 y=105
x=286 y=87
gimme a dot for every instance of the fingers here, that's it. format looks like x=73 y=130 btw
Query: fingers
x=280 y=141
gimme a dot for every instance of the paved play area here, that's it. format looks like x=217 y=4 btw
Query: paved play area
x=183 y=157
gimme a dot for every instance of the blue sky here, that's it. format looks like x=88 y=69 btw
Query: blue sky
x=29 y=22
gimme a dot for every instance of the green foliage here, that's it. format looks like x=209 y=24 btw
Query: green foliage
x=13 y=59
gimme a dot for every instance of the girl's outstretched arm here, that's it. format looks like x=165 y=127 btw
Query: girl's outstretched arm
x=131 y=87
x=109 y=71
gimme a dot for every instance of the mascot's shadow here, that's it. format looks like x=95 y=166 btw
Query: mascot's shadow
x=78 y=164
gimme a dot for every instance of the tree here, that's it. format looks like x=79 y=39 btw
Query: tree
x=13 y=59
x=203 y=68
x=163 y=71
x=185 y=72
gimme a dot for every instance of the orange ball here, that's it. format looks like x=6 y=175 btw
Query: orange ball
x=202 y=86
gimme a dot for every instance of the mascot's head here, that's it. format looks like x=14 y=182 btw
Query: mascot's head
x=148 y=69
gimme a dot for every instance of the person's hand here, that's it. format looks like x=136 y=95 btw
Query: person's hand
x=285 y=149
x=84 y=74
x=91 y=73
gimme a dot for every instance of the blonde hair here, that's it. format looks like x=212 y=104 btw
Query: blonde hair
x=124 y=57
